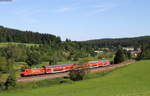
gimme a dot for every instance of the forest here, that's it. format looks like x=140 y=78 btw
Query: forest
x=13 y=35
x=135 y=42
x=18 y=36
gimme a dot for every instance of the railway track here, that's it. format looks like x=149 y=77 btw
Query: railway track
x=60 y=75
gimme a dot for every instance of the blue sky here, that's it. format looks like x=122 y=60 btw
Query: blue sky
x=79 y=19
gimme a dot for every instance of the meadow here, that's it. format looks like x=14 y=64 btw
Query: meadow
x=132 y=80
x=14 y=43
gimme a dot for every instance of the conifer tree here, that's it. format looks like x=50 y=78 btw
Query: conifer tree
x=119 y=56
x=33 y=58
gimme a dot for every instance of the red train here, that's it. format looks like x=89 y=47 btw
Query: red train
x=62 y=68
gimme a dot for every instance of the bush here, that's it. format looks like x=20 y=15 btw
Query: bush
x=77 y=74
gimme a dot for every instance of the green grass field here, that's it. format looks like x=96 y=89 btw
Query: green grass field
x=132 y=80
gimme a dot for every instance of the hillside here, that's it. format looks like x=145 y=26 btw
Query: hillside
x=13 y=43
x=115 y=42
x=132 y=80
x=18 y=36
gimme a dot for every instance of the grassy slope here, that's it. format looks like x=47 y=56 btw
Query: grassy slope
x=13 y=43
x=132 y=80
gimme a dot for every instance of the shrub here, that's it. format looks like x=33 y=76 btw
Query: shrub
x=77 y=74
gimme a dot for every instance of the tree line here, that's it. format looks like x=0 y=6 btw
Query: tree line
x=115 y=43
x=13 y=35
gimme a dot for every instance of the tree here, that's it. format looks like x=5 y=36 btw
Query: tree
x=119 y=56
x=77 y=74
x=145 y=53
x=10 y=54
x=33 y=58
x=11 y=80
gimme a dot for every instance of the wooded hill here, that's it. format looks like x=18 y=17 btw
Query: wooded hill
x=50 y=47
x=116 y=42
x=13 y=35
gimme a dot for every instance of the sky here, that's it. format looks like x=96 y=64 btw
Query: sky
x=78 y=19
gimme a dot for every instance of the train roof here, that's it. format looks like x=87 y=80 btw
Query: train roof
x=104 y=60
x=59 y=65
x=98 y=61
x=93 y=61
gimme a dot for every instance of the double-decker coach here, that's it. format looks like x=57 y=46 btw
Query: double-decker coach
x=58 y=68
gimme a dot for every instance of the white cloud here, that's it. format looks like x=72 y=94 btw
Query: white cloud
x=101 y=8
x=104 y=7
x=64 y=9
x=92 y=9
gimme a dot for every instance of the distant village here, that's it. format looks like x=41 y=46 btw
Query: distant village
x=134 y=51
